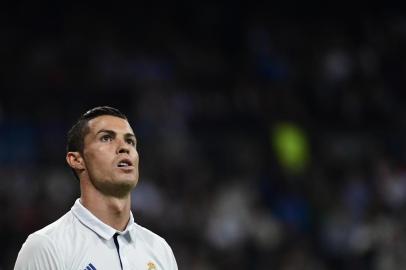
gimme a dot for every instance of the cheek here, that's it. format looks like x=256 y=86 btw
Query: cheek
x=97 y=159
x=137 y=157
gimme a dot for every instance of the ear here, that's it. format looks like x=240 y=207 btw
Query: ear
x=75 y=161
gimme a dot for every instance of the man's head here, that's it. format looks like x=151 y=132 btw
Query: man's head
x=101 y=148
x=77 y=133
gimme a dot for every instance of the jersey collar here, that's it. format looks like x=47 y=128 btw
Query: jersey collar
x=102 y=229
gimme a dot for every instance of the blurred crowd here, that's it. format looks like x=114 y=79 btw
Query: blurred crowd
x=267 y=139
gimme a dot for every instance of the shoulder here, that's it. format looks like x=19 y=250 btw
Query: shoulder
x=59 y=230
x=157 y=244
x=42 y=249
x=150 y=238
x=38 y=252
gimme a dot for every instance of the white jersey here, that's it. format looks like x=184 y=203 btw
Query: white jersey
x=80 y=241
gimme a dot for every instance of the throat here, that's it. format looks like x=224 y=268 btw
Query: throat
x=118 y=214
x=112 y=211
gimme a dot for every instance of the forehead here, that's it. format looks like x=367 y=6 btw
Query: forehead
x=109 y=122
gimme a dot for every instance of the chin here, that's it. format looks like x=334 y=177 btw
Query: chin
x=118 y=188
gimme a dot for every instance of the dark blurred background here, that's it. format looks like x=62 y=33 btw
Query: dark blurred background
x=270 y=137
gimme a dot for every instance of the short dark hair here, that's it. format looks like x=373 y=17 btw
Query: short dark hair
x=77 y=133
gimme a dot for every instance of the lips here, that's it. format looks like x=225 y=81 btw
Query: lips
x=125 y=163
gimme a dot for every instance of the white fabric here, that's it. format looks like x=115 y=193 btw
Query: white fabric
x=79 y=240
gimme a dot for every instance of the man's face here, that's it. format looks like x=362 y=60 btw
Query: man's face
x=110 y=155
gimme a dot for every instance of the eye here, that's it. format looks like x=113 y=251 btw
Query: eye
x=131 y=141
x=106 y=138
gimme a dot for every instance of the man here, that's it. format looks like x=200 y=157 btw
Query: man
x=99 y=231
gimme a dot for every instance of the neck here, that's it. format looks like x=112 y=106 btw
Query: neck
x=113 y=211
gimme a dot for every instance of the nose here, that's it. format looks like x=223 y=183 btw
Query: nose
x=123 y=148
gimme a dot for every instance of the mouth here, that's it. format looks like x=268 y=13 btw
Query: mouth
x=125 y=164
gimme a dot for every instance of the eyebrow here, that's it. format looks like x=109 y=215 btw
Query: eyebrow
x=127 y=135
